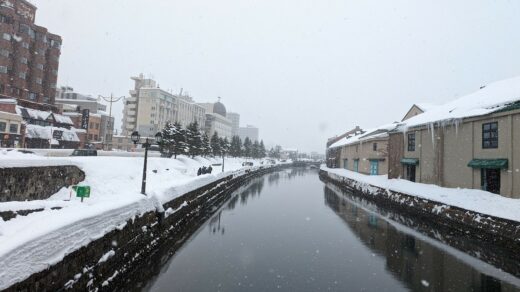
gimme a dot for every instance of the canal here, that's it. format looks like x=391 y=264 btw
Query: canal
x=289 y=231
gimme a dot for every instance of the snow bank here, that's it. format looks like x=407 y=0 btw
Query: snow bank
x=469 y=199
x=29 y=244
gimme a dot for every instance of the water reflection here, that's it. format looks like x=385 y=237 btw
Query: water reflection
x=417 y=263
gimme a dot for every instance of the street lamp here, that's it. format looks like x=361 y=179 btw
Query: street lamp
x=135 y=138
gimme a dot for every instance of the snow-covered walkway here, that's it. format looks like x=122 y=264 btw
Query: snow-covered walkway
x=29 y=244
x=470 y=199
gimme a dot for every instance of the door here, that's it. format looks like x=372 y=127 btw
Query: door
x=410 y=173
x=374 y=167
x=356 y=165
x=490 y=180
x=345 y=163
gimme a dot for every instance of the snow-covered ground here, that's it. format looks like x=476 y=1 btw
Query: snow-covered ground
x=31 y=243
x=469 y=199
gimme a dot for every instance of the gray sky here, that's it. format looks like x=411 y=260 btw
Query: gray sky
x=300 y=70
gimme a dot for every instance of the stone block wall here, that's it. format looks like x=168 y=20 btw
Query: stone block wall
x=36 y=183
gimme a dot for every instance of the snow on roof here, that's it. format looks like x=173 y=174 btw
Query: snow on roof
x=63 y=119
x=488 y=99
x=42 y=115
x=72 y=114
x=36 y=131
x=8 y=101
x=424 y=106
x=378 y=132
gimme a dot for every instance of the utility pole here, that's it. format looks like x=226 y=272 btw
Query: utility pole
x=110 y=100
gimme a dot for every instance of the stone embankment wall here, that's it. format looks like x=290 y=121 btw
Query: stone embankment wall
x=492 y=230
x=110 y=262
x=36 y=183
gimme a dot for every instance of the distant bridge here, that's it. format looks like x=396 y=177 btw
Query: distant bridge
x=307 y=163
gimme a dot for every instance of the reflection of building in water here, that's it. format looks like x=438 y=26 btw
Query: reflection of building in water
x=411 y=260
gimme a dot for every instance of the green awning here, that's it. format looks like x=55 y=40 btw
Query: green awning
x=410 y=161
x=489 y=163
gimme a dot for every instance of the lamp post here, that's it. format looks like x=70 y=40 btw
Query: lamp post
x=135 y=138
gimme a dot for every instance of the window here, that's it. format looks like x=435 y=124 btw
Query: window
x=39 y=80
x=3 y=69
x=411 y=141
x=46 y=99
x=23 y=60
x=32 y=96
x=374 y=146
x=2 y=126
x=91 y=126
x=6 y=19
x=97 y=126
x=356 y=165
x=345 y=163
x=39 y=66
x=95 y=137
x=25 y=45
x=13 y=128
x=22 y=75
x=90 y=136
x=41 y=51
x=6 y=36
x=490 y=135
x=4 y=52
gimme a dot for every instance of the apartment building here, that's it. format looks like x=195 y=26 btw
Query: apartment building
x=149 y=108
x=29 y=57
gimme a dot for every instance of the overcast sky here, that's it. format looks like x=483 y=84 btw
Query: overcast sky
x=300 y=70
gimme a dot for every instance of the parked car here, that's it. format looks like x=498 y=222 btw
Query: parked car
x=247 y=163
x=84 y=152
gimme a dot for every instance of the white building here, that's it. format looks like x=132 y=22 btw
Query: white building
x=248 y=131
x=235 y=122
x=149 y=108
x=216 y=120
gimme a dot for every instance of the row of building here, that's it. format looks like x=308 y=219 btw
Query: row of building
x=470 y=142
x=34 y=112
x=149 y=108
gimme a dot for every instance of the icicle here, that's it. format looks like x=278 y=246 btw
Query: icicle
x=432 y=126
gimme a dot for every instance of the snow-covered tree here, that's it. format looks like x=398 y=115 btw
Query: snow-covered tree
x=206 y=146
x=224 y=146
x=235 y=149
x=247 y=147
x=179 y=139
x=262 y=152
x=215 y=144
x=194 y=139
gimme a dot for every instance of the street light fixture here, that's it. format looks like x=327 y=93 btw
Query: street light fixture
x=135 y=138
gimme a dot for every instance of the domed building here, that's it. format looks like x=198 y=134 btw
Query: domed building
x=216 y=120
x=219 y=108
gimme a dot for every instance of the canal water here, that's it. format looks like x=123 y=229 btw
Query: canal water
x=288 y=231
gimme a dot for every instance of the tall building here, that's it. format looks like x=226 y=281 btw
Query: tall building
x=29 y=57
x=149 y=108
x=216 y=120
x=235 y=122
x=248 y=131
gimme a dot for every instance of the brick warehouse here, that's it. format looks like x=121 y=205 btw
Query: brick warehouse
x=29 y=57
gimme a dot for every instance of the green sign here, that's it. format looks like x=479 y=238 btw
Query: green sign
x=82 y=191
